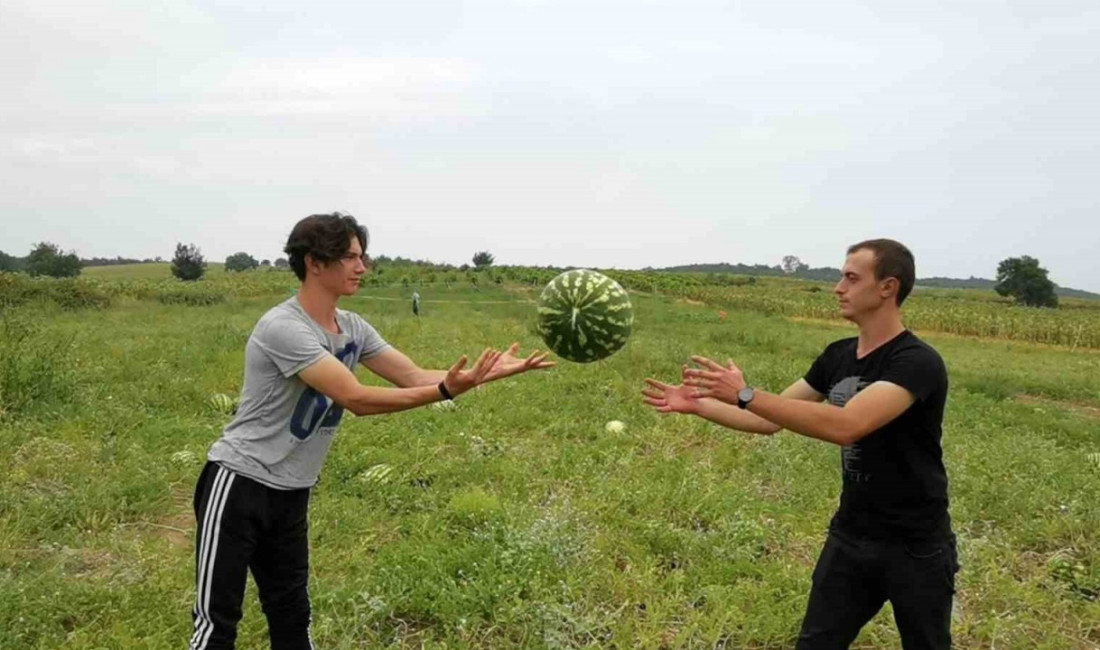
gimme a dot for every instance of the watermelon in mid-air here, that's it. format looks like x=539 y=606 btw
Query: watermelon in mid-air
x=584 y=315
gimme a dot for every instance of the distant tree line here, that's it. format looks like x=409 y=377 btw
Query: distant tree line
x=1020 y=278
x=44 y=259
x=118 y=261
x=801 y=271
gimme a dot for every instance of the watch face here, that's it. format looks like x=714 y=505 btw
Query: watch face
x=745 y=394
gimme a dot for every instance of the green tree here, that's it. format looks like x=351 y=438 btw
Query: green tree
x=47 y=259
x=1026 y=281
x=282 y=263
x=10 y=262
x=240 y=262
x=188 y=263
x=483 y=259
x=791 y=265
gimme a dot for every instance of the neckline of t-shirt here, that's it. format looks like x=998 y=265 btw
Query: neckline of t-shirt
x=870 y=354
x=298 y=306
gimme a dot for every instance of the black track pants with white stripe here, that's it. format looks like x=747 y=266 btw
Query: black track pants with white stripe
x=246 y=526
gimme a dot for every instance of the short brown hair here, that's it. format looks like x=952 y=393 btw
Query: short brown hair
x=892 y=260
x=327 y=237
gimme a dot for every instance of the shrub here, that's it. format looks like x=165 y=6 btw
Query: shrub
x=188 y=263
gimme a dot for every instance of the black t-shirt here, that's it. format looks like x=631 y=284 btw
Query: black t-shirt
x=895 y=484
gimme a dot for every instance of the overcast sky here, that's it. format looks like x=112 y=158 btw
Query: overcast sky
x=590 y=132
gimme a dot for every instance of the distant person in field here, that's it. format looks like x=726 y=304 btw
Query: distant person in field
x=884 y=393
x=252 y=497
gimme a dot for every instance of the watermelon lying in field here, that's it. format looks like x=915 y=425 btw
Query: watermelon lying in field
x=584 y=315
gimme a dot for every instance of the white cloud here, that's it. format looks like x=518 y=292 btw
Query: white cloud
x=371 y=87
x=342 y=76
x=51 y=146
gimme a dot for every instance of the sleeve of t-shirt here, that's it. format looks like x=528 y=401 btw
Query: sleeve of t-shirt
x=373 y=343
x=818 y=374
x=918 y=370
x=290 y=344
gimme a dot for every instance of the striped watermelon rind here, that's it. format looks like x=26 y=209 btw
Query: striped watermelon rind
x=584 y=316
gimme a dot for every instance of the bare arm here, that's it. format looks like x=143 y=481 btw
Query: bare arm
x=398 y=369
x=871 y=409
x=733 y=417
x=332 y=378
x=681 y=399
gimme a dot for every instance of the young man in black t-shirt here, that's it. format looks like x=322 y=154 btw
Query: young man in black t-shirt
x=880 y=396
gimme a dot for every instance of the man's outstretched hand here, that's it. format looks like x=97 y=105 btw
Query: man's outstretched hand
x=713 y=379
x=509 y=363
x=459 y=379
x=666 y=398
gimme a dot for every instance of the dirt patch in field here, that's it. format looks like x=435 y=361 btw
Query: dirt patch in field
x=86 y=562
x=177 y=525
x=689 y=301
x=177 y=530
x=1084 y=410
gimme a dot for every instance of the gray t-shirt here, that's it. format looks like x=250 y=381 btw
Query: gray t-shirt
x=283 y=428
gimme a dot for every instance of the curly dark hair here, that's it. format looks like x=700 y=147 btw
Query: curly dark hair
x=325 y=237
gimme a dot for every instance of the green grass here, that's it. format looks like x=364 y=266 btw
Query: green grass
x=515 y=519
x=145 y=271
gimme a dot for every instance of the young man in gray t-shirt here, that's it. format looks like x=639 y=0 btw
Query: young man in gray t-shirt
x=252 y=497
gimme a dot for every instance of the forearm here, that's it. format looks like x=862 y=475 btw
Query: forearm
x=812 y=419
x=421 y=377
x=374 y=400
x=733 y=417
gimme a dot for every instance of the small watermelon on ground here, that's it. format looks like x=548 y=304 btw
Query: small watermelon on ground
x=584 y=316
x=222 y=403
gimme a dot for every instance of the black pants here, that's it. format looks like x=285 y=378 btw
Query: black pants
x=244 y=525
x=854 y=577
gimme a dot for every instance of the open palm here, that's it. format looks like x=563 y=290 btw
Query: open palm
x=509 y=364
x=667 y=398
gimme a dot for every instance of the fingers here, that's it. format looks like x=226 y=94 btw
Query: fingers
x=459 y=365
x=481 y=359
x=654 y=394
x=707 y=363
x=659 y=405
x=484 y=364
x=491 y=361
x=486 y=361
x=513 y=348
x=708 y=374
x=536 y=359
x=658 y=385
x=702 y=382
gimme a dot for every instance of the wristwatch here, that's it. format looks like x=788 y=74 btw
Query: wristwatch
x=744 y=396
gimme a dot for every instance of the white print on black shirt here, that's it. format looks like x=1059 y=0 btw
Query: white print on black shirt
x=850 y=455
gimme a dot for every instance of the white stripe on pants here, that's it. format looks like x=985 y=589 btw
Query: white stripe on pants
x=208 y=539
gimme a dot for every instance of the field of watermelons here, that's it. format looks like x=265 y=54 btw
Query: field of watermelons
x=516 y=519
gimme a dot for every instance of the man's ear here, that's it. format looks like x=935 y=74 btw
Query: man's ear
x=889 y=288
